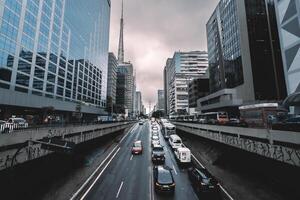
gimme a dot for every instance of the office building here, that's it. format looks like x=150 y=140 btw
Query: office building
x=138 y=103
x=179 y=71
x=198 y=87
x=54 y=55
x=160 y=100
x=166 y=86
x=288 y=12
x=124 y=98
x=245 y=63
x=111 y=81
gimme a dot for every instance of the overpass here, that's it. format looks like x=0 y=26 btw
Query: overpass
x=28 y=144
x=283 y=146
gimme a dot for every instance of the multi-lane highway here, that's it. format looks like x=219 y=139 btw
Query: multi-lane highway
x=125 y=176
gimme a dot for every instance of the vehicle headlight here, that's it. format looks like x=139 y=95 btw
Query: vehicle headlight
x=173 y=185
x=157 y=184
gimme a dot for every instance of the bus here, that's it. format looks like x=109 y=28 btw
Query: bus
x=168 y=129
x=262 y=115
x=220 y=118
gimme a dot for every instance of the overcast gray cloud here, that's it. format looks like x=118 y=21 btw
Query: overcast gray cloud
x=154 y=29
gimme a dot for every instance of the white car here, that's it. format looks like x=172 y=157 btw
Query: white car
x=175 y=141
x=155 y=142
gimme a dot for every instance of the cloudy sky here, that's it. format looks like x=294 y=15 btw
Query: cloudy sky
x=154 y=29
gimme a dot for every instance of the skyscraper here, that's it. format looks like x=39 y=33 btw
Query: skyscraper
x=111 y=81
x=245 y=63
x=124 y=98
x=288 y=12
x=53 y=54
x=160 y=100
x=179 y=71
x=125 y=77
x=139 y=103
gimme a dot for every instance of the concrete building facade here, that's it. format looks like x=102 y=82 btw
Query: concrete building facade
x=179 y=71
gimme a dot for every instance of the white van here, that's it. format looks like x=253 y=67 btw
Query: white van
x=175 y=141
x=183 y=155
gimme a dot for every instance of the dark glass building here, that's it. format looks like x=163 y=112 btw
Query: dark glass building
x=244 y=53
x=54 y=53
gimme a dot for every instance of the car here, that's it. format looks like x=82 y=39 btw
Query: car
x=155 y=128
x=175 y=141
x=163 y=179
x=155 y=142
x=141 y=123
x=293 y=120
x=154 y=132
x=202 y=181
x=158 y=154
x=18 y=122
x=155 y=137
x=137 y=147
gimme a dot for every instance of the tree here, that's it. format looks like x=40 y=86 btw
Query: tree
x=158 y=114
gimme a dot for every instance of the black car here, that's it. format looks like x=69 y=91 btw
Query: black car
x=202 y=181
x=158 y=154
x=163 y=179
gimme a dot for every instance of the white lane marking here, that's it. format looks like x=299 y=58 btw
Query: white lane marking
x=222 y=188
x=228 y=195
x=198 y=161
x=119 y=189
x=92 y=185
x=92 y=175
x=174 y=170
x=131 y=157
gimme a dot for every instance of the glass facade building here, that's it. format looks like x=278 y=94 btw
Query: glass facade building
x=224 y=53
x=55 y=49
x=243 y=49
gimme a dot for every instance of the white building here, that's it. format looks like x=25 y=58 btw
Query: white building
x=179 y=71
x=288 y=19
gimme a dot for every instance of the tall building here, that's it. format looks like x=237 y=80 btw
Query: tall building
x=288 y=12
x=111 y=81
x=198 y=87
x=179 y=71
x=138 y=103
x=125 y=87
x=160 y=100
x=54 y=55
x=166 y=86
x=121 y=40
x=125 y=78
x=245 y=63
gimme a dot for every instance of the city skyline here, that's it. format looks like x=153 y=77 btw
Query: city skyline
x=148 y=54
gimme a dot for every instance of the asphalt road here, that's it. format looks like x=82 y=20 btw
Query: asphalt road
x=130 y=177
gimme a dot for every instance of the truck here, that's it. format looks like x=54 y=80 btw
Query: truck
x=183 y=156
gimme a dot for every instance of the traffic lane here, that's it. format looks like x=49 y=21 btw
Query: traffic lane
x=108 y=184
x=136 y=183
x=126 y=175
x=184 y=189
